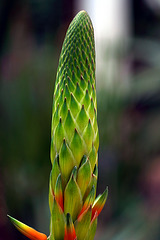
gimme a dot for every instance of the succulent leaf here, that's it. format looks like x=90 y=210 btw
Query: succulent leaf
x=84 y=177
x=88 y=132
x=66 y=161
x=55 y=172
x=82 y=119
x=29 y=232
x=74 y=106
x=93 y=157
x=72 y=198
x=69 y=126
x=58 y=192
x=57 y=221
x=92 y=183
x=76 y=147
x=99 y=203
x=89 y=200
x=82 y=224
x=64 y=109
x=59 y=135
x=92 y=228
x=70 y=233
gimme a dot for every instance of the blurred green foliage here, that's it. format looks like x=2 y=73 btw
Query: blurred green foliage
x=26 y=106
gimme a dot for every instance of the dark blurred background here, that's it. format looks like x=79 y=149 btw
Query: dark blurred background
x=128 y=94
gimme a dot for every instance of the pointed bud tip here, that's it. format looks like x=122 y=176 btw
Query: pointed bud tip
x=82 y=79
x=74 y=170
x=68 y=218
x=11 y=218
x=99 y=203
x=75 y=130
x=70 y=233
x=106 y=191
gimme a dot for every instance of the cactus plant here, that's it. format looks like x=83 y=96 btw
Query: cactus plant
x=74 y=141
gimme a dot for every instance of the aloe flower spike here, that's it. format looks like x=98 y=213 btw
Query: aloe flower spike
x=73 y=204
